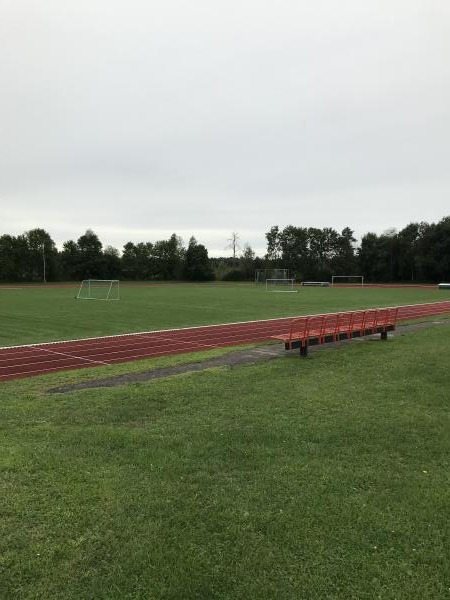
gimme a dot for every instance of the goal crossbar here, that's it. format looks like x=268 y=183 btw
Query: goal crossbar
x=262 y=275
x=99 y=289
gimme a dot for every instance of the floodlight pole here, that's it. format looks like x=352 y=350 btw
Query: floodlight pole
x=43 y=259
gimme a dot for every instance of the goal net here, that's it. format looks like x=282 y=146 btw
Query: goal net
x=355 y=280
x=280 y=285
x=262 y=275
x=98 y=289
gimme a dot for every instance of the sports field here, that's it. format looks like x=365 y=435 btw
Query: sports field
x=317 y=478
x=51 y=313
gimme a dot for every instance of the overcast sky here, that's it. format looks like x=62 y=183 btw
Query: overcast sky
x=139 y=119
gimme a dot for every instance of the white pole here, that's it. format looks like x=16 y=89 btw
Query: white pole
x=43 y=259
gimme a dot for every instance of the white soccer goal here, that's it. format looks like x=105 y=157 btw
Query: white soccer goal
x=280 y=285
x=262 y=275
x=347 y=280
x=99 y=289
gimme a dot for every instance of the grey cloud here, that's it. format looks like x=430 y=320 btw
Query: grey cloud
x=215 y=117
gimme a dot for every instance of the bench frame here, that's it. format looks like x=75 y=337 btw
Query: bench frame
x=334 y=327
x=317 y=283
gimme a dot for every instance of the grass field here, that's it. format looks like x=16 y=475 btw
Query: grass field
x=36 y=314
x=313 y=479
x=321 y=478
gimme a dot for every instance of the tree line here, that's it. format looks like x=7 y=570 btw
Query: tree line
x=418 y=253
x=33 y=257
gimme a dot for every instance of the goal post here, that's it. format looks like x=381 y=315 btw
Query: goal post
x=280 y=285
x=262 y=275
x=347 y=280
x=99 y=289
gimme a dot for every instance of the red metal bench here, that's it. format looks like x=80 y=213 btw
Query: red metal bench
x=296 y=335
x=333 y=327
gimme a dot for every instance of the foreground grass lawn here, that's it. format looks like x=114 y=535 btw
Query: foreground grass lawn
x=321 y=478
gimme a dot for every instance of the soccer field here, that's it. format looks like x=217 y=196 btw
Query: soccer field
x=49 y=313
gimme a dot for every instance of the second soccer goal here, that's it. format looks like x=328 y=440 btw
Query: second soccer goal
x=99 y=289
x=280 y=285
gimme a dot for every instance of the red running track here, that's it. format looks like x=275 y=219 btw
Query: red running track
x=39 y=359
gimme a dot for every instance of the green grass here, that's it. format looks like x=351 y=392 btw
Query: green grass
x=326 y=477
x=35 y=314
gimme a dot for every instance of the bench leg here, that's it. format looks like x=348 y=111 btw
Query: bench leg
x=384 y=335
x=304 y=350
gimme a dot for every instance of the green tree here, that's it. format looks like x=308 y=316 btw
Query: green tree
x=293 y=243
x=90 y=254
x=377 y=256
x=247 y=262
x=344 y=261
x=406 y=258
x=138 y=260
x=433 y=256
x=323 y=247
x=42 y=256
x=273 y=244
x=31 y=256
x=8 y=267
x=197 y=266
x=112 y=263
x=71 y=261
x=368 y=256
x=168 y=258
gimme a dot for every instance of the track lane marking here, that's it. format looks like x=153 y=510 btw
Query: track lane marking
x=90 y=360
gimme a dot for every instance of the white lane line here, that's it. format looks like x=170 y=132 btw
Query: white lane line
x=98 y=362
x=193 y=343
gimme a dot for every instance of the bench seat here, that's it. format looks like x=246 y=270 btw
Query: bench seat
x=335 y=327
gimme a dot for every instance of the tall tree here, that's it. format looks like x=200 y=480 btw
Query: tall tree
x=234 y=243
x=273 y=243
x=323 y=245
x=369 y=256
x=168 y=257
x=112 y=263
x=197 y=266
x=293 y=243
x=406 y=258
x=91 y=258
x=31 y=256
x=138 y=260
x=42 y=255
x=8 y=263
x=71 y=261
x=377 y=256
x=344 y=261
x=247 y=262
x=434 y=251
